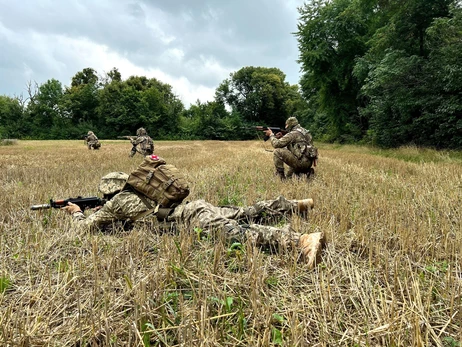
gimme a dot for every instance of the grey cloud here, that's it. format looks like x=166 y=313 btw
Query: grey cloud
x=233 y=33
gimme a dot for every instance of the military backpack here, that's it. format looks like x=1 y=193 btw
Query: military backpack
x=159 y=181
x=148 y=145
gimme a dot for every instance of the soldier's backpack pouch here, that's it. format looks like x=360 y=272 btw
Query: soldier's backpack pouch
x=159 y=181
x=312 y=152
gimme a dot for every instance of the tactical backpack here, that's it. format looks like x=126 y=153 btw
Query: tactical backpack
x=312 y=152
x=304 y=148
x=159 y=181
x=148 y=145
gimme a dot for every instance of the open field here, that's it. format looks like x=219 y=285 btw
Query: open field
x=391 y=274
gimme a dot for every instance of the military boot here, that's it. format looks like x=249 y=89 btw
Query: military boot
x=280 y=174
x=305 y=205
x=311 y=246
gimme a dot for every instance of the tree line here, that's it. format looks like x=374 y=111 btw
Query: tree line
x=111 y=106
x=381 y=72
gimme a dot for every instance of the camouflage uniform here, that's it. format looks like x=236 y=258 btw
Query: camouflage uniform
x=92 y=141
x=291 y=149
x=145 y=143
x=231 y=220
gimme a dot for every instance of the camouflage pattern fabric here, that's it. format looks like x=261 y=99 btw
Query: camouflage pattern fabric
x=92 y=141
x=121 y=207
x=236 y=222
x=239 y=222
x=287 y=151
x=145 y=143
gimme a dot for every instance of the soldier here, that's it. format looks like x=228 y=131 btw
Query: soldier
x=236 y=222
x=145 y=143
x=294 y=149
x=92 y=141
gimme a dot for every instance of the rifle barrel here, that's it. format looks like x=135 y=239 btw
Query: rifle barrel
x=40 y=207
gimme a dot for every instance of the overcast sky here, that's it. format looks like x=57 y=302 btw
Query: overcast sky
x=191 y=44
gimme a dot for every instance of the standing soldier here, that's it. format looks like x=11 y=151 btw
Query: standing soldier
x=92 y=141
x=295 y=149
x=144 y=141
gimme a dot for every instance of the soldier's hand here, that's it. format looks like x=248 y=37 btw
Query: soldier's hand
x=71 y=208
x=279 y=135
x=268 y=132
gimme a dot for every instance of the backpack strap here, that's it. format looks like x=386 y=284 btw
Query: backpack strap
x=160 y=212
x=147 y=204
x=152 y=211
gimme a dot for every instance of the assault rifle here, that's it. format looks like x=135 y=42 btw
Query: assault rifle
x=278 y=132
x=127 y=137
x=83 y=203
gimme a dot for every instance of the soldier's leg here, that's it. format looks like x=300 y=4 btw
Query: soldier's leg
x=268 y=236
x=202 y=214
x=281 y=207
x=278 y=162
x=284 y=156
x=301 y=167
x=290 y=172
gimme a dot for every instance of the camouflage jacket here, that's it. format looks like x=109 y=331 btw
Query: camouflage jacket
x=124 y=206
x=146 y=144
x=297 y=141
x=92 y=139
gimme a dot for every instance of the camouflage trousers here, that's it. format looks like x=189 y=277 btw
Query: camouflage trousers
x=93 y=145
x=241 y=222
x=143 y=152
x=284 y=156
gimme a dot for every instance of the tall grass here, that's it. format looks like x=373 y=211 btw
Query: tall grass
x=391 y=274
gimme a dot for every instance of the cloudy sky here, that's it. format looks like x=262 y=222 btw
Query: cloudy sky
x=191 y=44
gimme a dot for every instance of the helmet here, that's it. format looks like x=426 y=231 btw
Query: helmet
x=90 y=132
x=112 y=183
x=291 y=122
x=141 y=131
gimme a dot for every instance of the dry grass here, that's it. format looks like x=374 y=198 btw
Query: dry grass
x=391 y=274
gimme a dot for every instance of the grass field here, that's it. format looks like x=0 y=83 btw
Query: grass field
x=391 y=273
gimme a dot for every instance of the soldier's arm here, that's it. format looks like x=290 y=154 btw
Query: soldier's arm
x=283 y=141
x=103 y=216
x=138 y=140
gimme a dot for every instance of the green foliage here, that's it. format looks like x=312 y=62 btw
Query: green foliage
x=12 y=122
x=451 y=342
x=259 y=94
x=5 y=284
x=331 y=36
x=385 y=72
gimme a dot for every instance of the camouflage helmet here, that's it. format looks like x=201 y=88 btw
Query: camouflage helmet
x=112 y=183
x=141 y=132
x=90 y=132
x=291 y=122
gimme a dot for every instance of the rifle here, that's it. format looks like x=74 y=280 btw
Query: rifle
x=127 y=137
x=278 y=132
x=83 y=203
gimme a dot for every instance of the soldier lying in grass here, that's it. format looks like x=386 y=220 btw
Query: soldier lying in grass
x=125 y=203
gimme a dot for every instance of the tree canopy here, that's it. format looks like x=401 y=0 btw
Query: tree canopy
x=385 y=72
